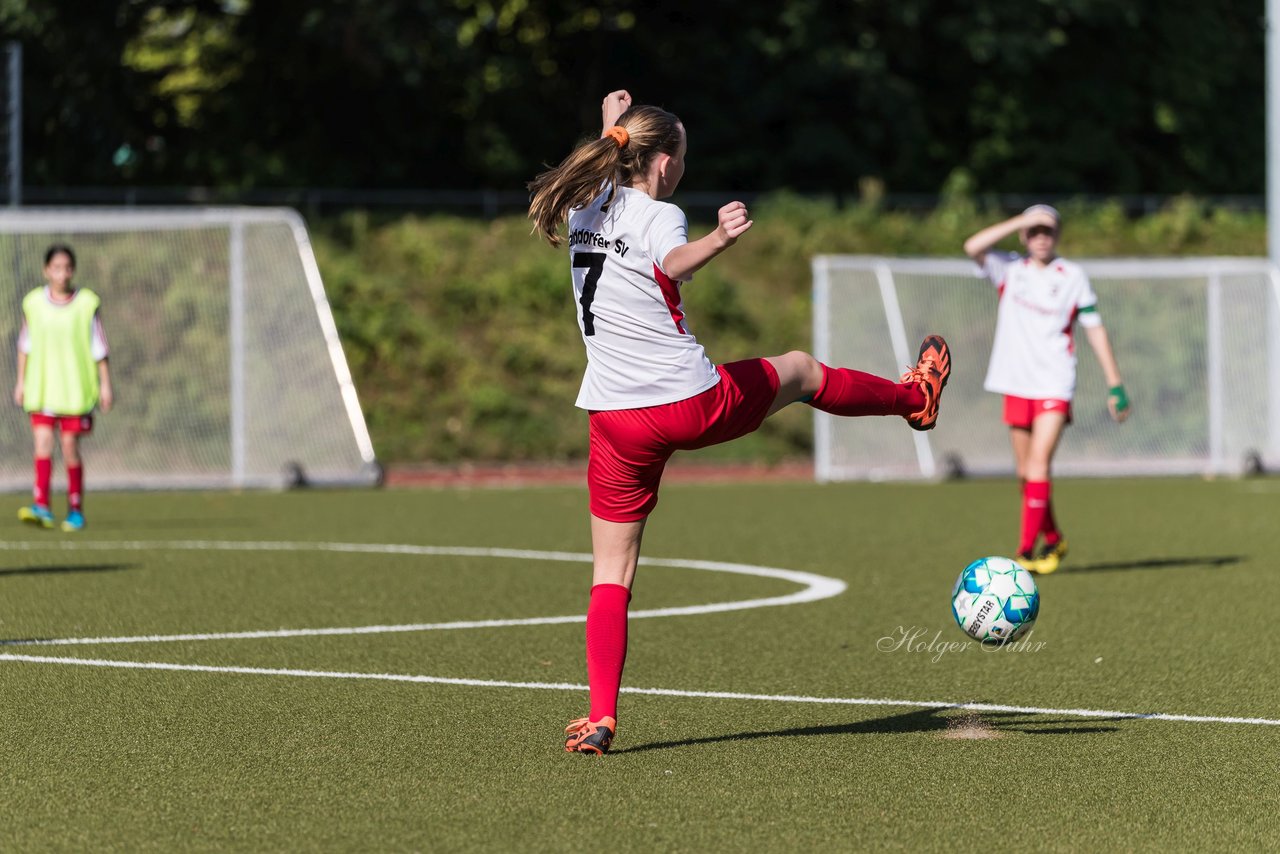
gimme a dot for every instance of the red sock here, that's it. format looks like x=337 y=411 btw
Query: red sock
x=1049 y=527
x=44 y=471
x=1035 y=502
x=75 y=486
x=848 y=392
x=606 y=647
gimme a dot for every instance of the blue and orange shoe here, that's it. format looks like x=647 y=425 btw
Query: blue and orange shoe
x=74 y=522
x=38 y=515
x=587 y=736
x=932 y=370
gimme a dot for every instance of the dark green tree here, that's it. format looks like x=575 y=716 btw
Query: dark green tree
x=1078 y=96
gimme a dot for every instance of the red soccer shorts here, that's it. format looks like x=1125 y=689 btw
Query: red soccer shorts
x=1020 y=411
x=68 y=423
x=630 y=447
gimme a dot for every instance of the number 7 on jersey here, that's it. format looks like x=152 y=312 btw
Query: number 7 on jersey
x=593 y=262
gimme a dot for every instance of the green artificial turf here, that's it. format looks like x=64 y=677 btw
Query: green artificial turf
x=1164 y=606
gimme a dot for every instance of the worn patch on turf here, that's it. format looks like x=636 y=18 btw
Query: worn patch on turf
x=968 y=728
x=814 y=588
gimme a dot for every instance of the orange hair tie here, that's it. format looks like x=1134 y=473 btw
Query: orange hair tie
x=618 y=134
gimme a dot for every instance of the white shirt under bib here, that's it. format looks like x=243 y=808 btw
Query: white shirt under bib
x=639 y=350
x=1034 y=354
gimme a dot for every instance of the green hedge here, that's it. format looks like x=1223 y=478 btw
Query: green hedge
x=464 y=345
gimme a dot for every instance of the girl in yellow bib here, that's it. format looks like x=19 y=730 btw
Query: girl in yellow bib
x=62 y=376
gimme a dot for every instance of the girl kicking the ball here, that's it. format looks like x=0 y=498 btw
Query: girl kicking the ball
x=62 y=376
x=649 y=387
x=1033 y=360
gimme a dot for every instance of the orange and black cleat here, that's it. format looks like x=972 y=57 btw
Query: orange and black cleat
x=587 y=736
x=932 y=371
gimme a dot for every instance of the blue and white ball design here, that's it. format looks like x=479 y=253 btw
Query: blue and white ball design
x=995 y=600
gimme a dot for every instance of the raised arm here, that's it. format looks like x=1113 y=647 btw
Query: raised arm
x=977 y=246
x=614 y=105
x=685 y=260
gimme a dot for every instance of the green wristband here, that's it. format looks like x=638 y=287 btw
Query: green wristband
x=1118 y=394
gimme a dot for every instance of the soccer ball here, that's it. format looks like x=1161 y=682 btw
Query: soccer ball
x=995 y=600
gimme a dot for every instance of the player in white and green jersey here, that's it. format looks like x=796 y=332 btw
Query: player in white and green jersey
x=1042 y=297
x=62 y=377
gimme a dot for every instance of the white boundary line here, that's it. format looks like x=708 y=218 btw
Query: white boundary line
x=659 y=692
x=815 y=587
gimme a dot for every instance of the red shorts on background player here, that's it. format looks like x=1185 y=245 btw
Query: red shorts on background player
x=1022 y=412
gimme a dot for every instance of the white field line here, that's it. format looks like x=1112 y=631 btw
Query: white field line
x=659 y=692
x=814 y=587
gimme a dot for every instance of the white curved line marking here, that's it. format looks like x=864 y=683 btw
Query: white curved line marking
x=660 y=692
x=815 y=587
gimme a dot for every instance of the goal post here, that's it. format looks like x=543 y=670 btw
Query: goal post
x=225 y=358
x=1197 y=339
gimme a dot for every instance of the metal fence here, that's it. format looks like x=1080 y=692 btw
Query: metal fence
x=496 y=202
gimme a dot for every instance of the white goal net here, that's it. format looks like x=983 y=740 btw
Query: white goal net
x=225 y=358
x=1197 y=339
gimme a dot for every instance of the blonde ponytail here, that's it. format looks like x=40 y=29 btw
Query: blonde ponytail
x=573 y=184
x=614 y=160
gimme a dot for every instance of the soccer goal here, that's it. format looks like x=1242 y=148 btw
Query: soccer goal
x=225 y=359
x=1197 y=339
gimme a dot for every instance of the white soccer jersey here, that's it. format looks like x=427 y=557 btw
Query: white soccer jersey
x=639 y=350
x=1034 y=354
